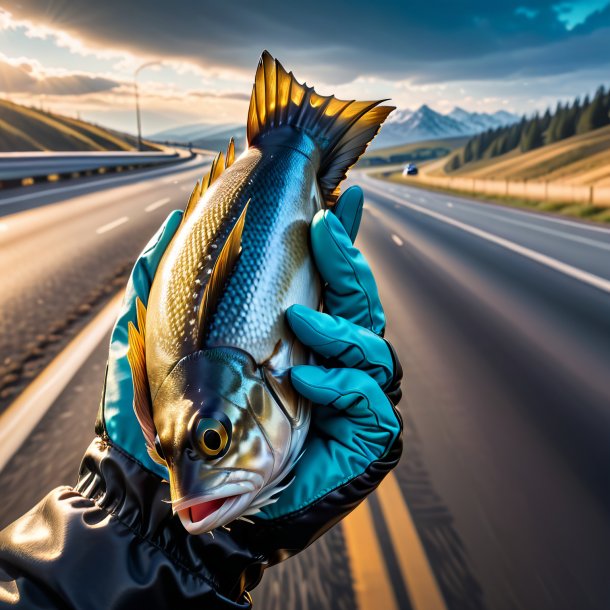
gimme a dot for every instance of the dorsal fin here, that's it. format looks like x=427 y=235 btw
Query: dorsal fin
x=341 y=129
x=230 y=154
x=136 y=357
x=193 y=199
x=218 y=166
x=222 y=268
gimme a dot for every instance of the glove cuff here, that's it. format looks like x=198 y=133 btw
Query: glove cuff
x=285 y=536
x=393 y=391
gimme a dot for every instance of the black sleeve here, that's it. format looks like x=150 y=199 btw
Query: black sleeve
x=112 y=543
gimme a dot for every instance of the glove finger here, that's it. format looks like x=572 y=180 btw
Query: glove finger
x=342 y=343
x=352 y=392
x=348 y=210
x=350 y=291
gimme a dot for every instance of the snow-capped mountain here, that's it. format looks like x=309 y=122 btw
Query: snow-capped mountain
x=404 y=126
x=480 y=121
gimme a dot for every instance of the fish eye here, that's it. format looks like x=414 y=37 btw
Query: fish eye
x=211 y=437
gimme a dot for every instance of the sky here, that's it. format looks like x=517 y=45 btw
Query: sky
x=78 y=57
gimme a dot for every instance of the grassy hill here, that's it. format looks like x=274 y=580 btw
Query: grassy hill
x=411 y=153
x=27 y=129
x=582 y=160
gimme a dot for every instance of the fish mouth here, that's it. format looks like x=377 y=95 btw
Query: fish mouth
x=203 y=513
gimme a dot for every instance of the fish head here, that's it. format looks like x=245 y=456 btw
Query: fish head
x=221 y=435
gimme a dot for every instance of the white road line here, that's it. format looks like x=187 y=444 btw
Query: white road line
x=573 y=272
x=528 y=225
x=22 y=416
x=112 y=225
x=157 y=204
x=397 y=240
x=502 y=208
x=449 y=204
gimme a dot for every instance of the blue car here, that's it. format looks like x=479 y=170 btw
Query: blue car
x=410 y=170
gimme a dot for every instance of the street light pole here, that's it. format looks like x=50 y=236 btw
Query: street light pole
x=137 y=95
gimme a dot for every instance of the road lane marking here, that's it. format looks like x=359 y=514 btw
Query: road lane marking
x=24 y=413
x=157 y=204
x=528 y=225
x=449 y=204
x=372 y=586
x=502 y=209
x=112 y=225
x=573 y=272
x=397 y=240
x=422 y=587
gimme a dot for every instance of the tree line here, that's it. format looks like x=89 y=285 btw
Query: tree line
x=531 y=133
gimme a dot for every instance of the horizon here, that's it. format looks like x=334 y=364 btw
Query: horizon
x=521 y=58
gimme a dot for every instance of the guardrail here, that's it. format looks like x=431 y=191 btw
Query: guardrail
x=22 y=169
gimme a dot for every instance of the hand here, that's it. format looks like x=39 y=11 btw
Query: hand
x=112 y=540
x=354 y=422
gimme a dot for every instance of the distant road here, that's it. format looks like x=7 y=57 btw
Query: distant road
x=501 y=319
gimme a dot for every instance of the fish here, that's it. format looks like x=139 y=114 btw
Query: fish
x=210 y=352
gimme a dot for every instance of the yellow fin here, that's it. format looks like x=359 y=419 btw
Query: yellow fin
x=230 y=154
x=218 y=166
x=342 y=129
x=222 y=267
x=192 y=202
x=136 y=357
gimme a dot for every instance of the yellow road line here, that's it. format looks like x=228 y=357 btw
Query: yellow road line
x=372 y=584
x=22 y=415
x=418 y=576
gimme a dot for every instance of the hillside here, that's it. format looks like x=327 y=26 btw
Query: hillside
x=25 y=129
x=414 y=152
x=580 y=160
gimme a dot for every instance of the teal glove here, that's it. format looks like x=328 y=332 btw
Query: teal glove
x=121 y=424
x=354 y=422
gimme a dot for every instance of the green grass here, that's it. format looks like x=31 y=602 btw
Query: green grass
x=584 y=211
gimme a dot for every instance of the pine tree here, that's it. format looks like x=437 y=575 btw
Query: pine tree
x=532 y=135
x=594 y=115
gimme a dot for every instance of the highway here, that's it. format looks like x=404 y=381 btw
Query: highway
x=500 y=316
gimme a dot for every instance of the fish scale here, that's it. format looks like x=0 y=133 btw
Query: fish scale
x=274 y=262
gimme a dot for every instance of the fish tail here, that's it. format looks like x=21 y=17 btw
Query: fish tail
x=342 y=129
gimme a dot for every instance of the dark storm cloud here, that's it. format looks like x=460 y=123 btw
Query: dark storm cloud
x=19 y=79
x=339 y=40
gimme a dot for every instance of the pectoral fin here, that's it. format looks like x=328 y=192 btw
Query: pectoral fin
x=141 y=393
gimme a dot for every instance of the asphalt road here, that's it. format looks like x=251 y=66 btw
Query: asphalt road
x=501 y=320
x=65 y=249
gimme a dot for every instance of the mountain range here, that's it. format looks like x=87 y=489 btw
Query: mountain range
x=406 y=126
x=402 y=127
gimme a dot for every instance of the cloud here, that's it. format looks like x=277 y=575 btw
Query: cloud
x=230 y=95
x=22 y=76
x=330 y=41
